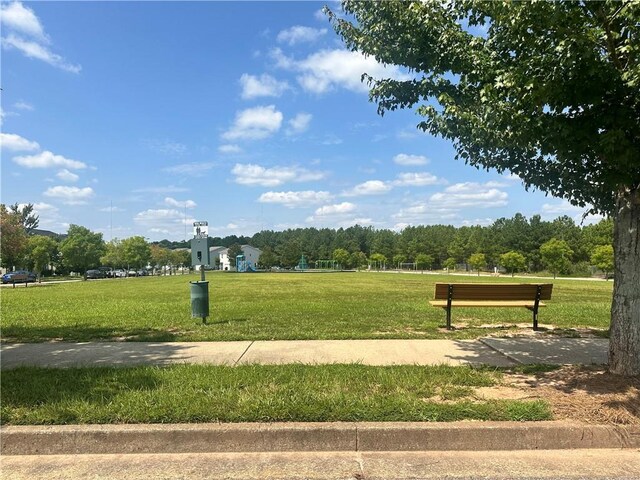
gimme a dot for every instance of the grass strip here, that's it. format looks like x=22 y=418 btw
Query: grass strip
x=254 y=393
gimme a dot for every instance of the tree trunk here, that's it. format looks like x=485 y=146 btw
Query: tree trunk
x=624 y=339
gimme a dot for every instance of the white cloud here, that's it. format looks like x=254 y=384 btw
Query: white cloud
x=337 y=209
x=229 y=149
x=299 y=123
x=111 y=209
x=298 y=34
x=167 y=220
x=166 y=147
x=190 y=169
x=23 y=106
x=16 y=16
x=42 y=207
x=562 y=208
x=551 y=211
x=70 y=195
x=512 y=177
x=263 y=86
x=172 y=202
x=412 y=160
x=484 y=222
x=21 y=21
x=418 y=179
x=67 y=176
x=468 y=195
x=250 y=174
x=295 y=199
x=337 y=215
x=16 y=143
x=38 y=51
x=371 y=187
x=47 y=159
x=254 y=124
x=328 y=69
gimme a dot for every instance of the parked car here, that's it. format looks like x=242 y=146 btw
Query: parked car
x=108 y=271
x=119 y=273
x=142 y=273
x=93 y=274
x=132 y=273
x=19 y=276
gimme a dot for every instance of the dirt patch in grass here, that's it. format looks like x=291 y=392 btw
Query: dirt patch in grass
x=588 y=394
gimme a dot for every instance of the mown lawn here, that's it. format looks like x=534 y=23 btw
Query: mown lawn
x=255 y=393
x=279 y=306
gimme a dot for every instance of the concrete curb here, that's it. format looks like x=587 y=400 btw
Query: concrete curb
x=288 y=437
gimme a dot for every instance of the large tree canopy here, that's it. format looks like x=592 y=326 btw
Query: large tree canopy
x=549 y=91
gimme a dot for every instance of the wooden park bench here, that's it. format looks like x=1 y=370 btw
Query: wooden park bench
x=527 y=295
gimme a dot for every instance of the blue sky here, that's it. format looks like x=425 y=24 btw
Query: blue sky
x=140 y=118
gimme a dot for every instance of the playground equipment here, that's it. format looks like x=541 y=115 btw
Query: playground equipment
x=302 y=264
x=327 y=265
x=243 y=265
x=408 y=266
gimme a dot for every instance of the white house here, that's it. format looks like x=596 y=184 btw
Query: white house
x=220 y=255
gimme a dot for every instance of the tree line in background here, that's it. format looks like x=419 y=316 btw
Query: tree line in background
x=78 y=251
x=514 y=244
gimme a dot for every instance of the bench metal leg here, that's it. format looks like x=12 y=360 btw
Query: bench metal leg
x=448 y=310
x=449 y=299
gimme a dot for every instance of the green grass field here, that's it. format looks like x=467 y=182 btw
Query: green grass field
x=279 y=306
x=255 y=393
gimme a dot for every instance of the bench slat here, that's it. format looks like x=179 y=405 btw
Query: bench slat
x=488 y=303
x=493 y=291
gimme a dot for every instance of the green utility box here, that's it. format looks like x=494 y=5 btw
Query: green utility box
x=200 y=252
x=200 y=300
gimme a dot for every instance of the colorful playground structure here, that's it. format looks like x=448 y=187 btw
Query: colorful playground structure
x=243 y=265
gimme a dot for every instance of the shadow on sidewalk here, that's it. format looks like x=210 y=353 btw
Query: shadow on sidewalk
x=93 y=354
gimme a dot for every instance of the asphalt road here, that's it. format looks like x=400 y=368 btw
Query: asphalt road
x=529 y=464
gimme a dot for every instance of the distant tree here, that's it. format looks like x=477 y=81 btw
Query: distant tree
x=424 y=261
x=40 y=252
x=13 y=239
x=478 y=261
x=136 y=252
x=341 y=256
x=159 y=256
x=602 y=257
x=398 y=259
x=556 y=256
x=378 y=259
x=233 y=252
x=82 y=249
x=29 y=220
x=450 y=263
x=180 y=258
x=268 y=258
x=513 y=262
x=358 y=259
x=114 y=254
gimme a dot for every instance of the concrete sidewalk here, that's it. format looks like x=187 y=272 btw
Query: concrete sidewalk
x=499 y=352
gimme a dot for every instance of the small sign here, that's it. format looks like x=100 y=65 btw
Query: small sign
x=200 y=229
